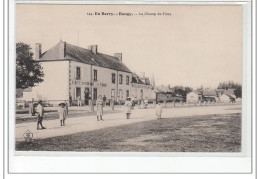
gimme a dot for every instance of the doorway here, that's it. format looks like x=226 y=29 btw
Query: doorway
x=86 y=93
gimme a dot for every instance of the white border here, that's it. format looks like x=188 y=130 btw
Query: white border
x=137 y=162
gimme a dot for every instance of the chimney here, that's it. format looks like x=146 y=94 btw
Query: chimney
x=119 y=56
x=62 y=50
x=38 y=51
x=93 y=48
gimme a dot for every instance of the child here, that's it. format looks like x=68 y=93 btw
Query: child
x=62 y=114
x=128 y=105
x=158 y=110
x=99 y=105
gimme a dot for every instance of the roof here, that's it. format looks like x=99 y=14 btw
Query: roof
x=229 y=96
x=83 y=55
x=197 y=92
x=229 y=92
x=139 y=80
x=210 y=93
x=162 y=89
x=146 y=80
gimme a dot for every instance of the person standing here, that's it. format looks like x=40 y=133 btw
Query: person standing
x=133 y=102
x=158 y=109
x=62 y=114
x=70 y=100
x=31 y=108
x=79 y=100
x=104 y=100
x=40 y=113
x=99 y=106
x=128 y=105
x=66 y=107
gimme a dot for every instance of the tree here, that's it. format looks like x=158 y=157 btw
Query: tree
x=181 y=91
x=28 y=71
x=231 y=85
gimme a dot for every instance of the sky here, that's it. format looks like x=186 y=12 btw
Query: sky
x=193 y=46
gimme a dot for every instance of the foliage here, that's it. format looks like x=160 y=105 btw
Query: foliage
x=181 y=90
x=28 y=71
x=231 y=85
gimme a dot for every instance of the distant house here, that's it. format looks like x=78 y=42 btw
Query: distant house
x=220 y=92
x=141 y=88
x=163 y=93
x=194 y=96
x=27 y=94
x=226 y=98
x=230 y=92
x=210 y=95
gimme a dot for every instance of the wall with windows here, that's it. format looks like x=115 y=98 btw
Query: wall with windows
x=74 y=78
x=105 y=81
x=124 y=86
x=191 y=97
x=79 y=80
x=141 y=91
x=56 y=82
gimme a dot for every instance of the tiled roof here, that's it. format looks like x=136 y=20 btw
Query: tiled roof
x=85 y=56
x=229 y=96
x=197 y=92
x=229 y=91
x=210 y=93
x=139 y=80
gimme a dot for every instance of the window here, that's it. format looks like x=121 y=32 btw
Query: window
x=120 y=79
x=113 y=78
x=95 y=75
x=127 y=93
x=127 y=80
x=77 y=73
x=112 y=93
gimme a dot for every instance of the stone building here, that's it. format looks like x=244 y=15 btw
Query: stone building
x=141 y=88
x=73 y=71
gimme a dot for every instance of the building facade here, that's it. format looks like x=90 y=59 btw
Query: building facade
x=194 y=96
x=72 y=71
x=141 y=88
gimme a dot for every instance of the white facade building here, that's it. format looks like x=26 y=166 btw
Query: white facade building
x=194 y=96
x=74 y=71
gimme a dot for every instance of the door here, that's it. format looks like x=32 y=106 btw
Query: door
x=95 y=94
x=86 y=93
x=78 y=93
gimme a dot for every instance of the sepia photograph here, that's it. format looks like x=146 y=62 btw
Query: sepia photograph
x=129 y=78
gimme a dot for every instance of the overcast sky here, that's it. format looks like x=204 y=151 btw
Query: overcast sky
x=196 y=45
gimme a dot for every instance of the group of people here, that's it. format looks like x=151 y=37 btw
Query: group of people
x=63 y=111
x=101 y=102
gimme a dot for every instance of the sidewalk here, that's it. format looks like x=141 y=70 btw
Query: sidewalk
x=88 y=123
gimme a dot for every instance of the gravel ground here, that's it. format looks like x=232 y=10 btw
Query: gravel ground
x=207 y=133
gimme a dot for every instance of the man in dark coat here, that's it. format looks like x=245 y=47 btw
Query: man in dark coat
x=40 y=112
